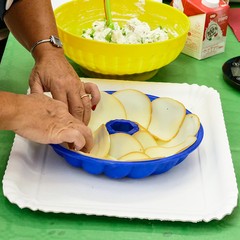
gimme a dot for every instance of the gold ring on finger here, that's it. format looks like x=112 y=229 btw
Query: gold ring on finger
x=84 y=95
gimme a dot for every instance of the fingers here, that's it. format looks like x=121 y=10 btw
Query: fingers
x=79 y=138
x=35 y=87
x=60 y=95
x=79 y=104
x=93 y=90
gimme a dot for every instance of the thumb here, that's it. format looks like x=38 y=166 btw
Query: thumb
x=73 y=136
x=36 y=88
x=35 y=84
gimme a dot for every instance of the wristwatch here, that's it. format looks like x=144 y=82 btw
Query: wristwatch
x=55 y=41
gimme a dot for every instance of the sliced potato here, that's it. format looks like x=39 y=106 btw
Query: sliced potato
x=190 y=127
x=101 y=140
x=122 y=144
x=161 y=142
x=136 y=104
x=164 y=127
x=145 y=138
x=108 y=157
x=161 y=152
x=167 y=117
x=134 y=156
x=108 y=108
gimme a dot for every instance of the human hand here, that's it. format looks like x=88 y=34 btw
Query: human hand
x=44 y=120
x=52 y=72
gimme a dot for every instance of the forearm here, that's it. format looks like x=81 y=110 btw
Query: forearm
x=31 y=21
x=8 y=110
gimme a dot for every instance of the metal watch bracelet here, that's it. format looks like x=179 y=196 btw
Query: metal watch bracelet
x=55 y=41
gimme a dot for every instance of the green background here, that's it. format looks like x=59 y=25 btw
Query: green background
x=16 y=223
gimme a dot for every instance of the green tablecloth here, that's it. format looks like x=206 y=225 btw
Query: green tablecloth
x=16 y=223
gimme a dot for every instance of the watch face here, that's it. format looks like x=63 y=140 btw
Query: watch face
x=56 y=41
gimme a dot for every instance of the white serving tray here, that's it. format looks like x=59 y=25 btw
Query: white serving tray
x=201 y=188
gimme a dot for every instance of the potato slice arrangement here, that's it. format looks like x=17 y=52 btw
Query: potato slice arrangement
x=164 y=127
x=107 y=109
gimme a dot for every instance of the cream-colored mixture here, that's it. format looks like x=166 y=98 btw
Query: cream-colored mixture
x=133 y=32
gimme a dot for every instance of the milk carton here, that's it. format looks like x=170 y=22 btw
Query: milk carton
x=209 y=20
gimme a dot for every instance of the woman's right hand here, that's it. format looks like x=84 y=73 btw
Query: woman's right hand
x=44 y=120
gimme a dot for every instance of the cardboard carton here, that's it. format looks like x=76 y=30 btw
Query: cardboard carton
x=209 y=20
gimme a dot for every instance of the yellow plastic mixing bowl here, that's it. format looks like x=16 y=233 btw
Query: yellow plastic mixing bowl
x=120 y=61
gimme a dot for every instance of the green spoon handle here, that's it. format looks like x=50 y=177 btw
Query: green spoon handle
x=108 y=14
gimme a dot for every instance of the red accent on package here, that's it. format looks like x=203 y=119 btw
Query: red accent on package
x=234 y=21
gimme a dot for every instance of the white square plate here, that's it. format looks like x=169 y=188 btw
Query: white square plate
x=201 y=188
